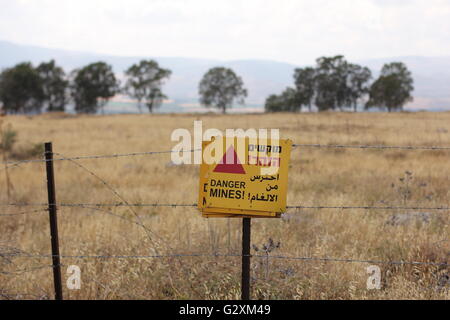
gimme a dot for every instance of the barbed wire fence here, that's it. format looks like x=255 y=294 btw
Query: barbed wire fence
x=7 y=253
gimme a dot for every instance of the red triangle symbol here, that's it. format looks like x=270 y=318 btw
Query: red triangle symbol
x=234 y=167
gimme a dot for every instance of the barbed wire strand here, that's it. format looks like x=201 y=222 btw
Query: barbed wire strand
x=369 y=207
x=184 y=205
x=24 y=204
x=22 y=271
x=320 y=259
x=155 y=205
x=23 y=213
x=14 y=296
x=132 y=154
x=106 y=156
x=381 y=147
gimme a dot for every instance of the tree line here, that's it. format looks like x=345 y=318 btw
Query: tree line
x=336 y=84
x=28 y=89
x=333 y=84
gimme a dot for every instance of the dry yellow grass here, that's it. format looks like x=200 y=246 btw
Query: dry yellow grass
x=317 y=177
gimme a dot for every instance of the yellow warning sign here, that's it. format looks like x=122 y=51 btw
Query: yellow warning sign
x=244 y=177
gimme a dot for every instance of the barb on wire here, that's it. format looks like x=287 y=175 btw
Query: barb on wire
x=314 y=259
x=342 y=146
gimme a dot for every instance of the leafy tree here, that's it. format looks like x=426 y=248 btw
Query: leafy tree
x=358 y=78
x=93 y=86
x=331 y=83
x=220 y=87
x=21 y=89
x=54 y=85
x=144 y=83
x=273 y=104
x=286 y=102
x=304 y=79
x=392 y=90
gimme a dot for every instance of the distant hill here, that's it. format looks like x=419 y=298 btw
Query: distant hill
x=261 y=77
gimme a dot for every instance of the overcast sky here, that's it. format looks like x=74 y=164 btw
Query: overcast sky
x=292 y=31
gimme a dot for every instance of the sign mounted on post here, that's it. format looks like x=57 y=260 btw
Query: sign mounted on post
x=244 y=177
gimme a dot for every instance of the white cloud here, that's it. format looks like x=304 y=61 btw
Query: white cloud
x=286 y=30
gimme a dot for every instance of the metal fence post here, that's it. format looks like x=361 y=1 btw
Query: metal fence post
x=246 y=233
x=53 y=221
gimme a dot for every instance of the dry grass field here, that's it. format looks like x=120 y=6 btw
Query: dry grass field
x=317 y=177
